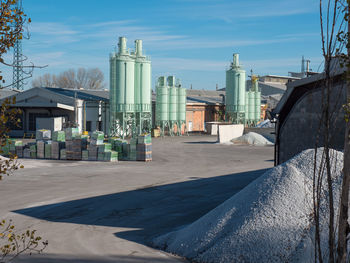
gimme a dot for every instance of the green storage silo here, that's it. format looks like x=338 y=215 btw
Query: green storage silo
x=130 y=91
x=235 y=92
x=181 y=108
x=143 y=91
x=162 y=105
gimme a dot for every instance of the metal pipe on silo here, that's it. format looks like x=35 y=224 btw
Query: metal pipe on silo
x=122 y=46
x=251 y=101
x=138 y=47
x=246 y=108
x=172 y=103
x=257 y=106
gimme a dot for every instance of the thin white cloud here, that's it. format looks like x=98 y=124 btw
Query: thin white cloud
x=169 y=64
x=52 y=29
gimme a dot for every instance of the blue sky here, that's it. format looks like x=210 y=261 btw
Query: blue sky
x=192 y=39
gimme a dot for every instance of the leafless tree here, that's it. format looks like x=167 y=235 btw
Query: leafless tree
x=73 y=79
x=334 y=26
x=46 y=80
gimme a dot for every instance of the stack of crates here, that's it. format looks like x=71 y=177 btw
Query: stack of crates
x=84 y=141
x=18 y=148
x=73 y=144
x=63 y=155
x=85 y=155
x=33 y=151
x=102 y=150
x=26 y=153
x=43 y=138
x=56 y=147
x=40 y=149
x=59 y=136
x=132 y=151
x=73 y=149
x=118 y=145
x=5 y=150
x=111 y=156
x=71 y=134
x=96 y=141
x=144 y=148
x=43 y=135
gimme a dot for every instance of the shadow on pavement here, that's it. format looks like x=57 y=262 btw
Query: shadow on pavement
x=202 y=142
x=152 y=211
x=107 y=259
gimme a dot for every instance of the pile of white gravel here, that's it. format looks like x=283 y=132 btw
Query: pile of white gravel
x=268 y=221
x=252 y=138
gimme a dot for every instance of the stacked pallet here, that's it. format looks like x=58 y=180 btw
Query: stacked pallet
x=72 y=133
x=40 y=149
x=73 y=149
x=32 y=149
x=132 y=151
x=85 y=155
x=47 y=149
x=63 y=155
x=43 y=135
x=144 y=148
x=18 y=148
x=59 y=136
x=26 y=153
x=96 y=141
x=56 y=147
x=118 y=145
x=111 y=156
x=105 y=152
x=5 y=149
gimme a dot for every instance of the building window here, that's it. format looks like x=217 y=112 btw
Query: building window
x=88 y=126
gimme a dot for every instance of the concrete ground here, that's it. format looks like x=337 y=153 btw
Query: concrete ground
x=109 y=212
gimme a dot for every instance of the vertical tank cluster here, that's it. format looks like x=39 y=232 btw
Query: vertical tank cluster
x=242 y=107
x=235 y=92
x=253 y=109
x=130 y=91
x=170 y=105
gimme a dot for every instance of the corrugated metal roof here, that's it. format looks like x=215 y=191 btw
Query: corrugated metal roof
x=88 y=95
x=4 y=93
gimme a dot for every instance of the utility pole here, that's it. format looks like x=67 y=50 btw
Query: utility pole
x=17 y=58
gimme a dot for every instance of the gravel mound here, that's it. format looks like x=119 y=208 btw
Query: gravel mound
x=252 y=138
x=268 y=221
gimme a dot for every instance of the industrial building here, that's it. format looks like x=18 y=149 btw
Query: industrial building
x=130 y=91
x=88 y=108
x=299 y=116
